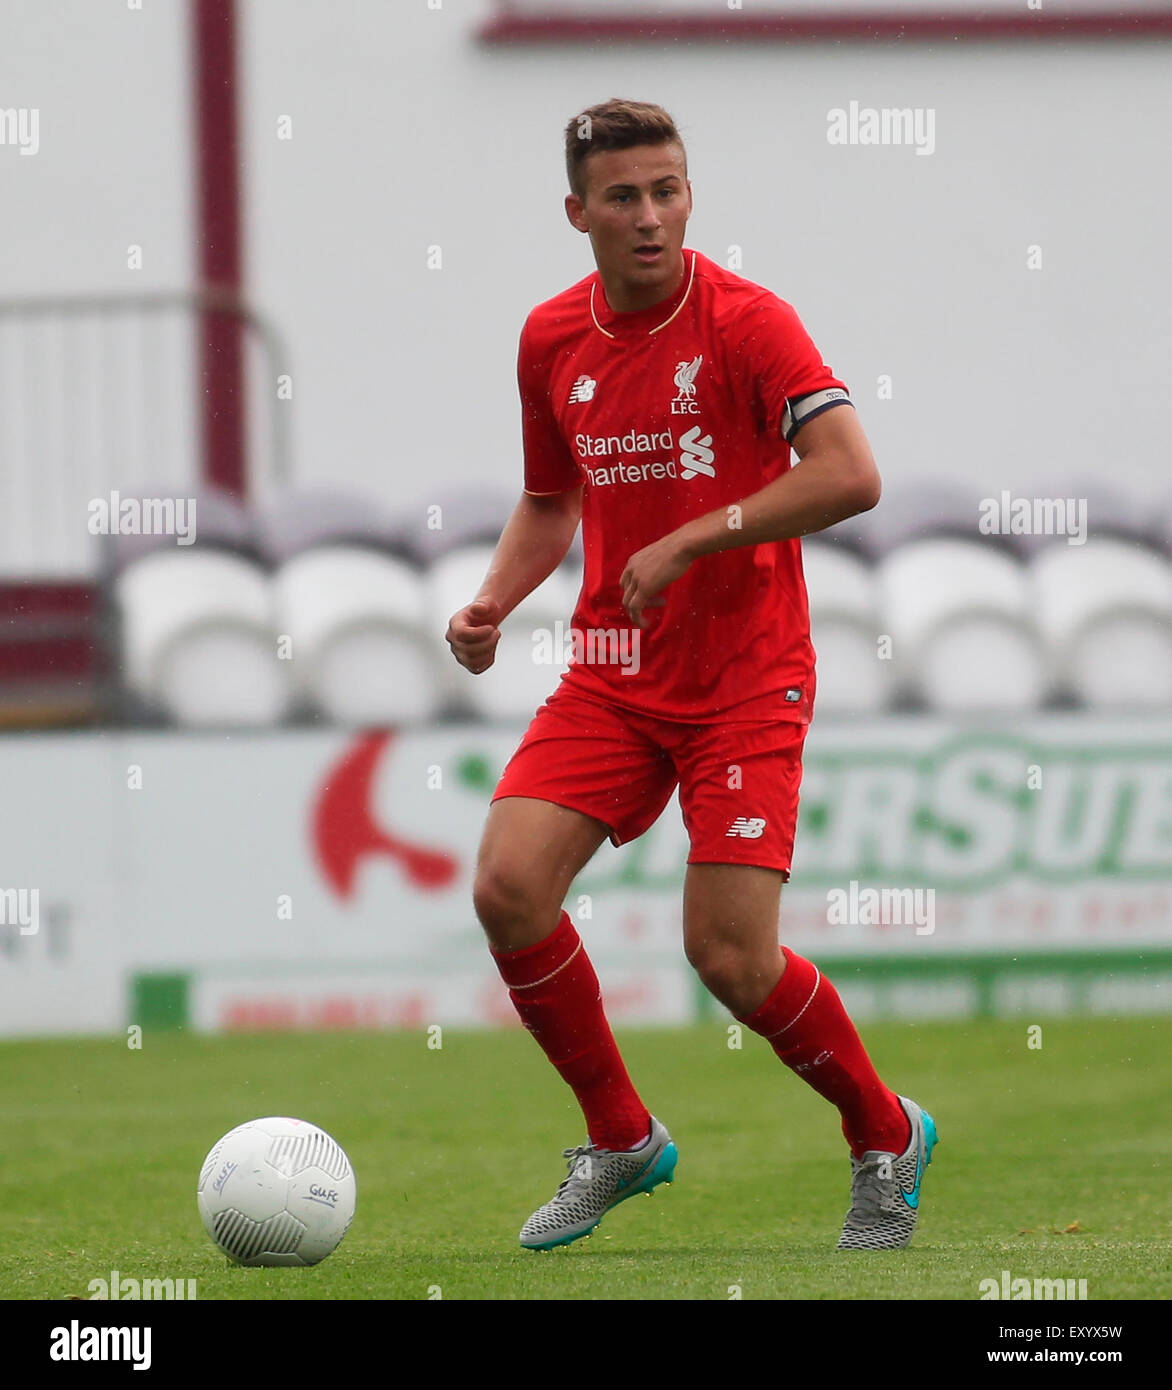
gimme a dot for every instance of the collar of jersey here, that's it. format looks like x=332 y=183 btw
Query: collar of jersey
x=640 y=321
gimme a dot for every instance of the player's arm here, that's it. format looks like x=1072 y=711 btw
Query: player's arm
x=837 y=479
x=538 y=535
x=535 y=541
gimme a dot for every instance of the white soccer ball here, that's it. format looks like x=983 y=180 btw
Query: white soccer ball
x=276 y=1192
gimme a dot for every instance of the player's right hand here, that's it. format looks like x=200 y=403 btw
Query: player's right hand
x=473 y=634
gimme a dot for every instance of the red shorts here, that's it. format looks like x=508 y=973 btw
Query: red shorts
x=738 y=782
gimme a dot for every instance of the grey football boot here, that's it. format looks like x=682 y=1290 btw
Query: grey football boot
x=598 y=1180
x=885 y=1189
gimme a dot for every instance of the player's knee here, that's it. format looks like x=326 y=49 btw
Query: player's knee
x=718 y=964
x=503 y=898
x=729 y=972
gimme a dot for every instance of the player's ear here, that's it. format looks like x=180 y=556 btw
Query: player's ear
x=576 y=212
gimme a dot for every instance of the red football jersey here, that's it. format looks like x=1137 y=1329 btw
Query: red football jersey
x=662 y=415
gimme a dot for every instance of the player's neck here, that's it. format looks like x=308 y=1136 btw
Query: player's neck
x=622 y=297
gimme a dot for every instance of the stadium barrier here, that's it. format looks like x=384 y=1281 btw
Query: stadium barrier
x=322 y=879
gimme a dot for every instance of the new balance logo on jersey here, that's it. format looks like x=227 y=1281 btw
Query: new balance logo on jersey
x=685 y=382
x=695 y=455
x=583 y=389
x=748 y=828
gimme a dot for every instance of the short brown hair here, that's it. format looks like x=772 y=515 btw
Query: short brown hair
x=615 y=125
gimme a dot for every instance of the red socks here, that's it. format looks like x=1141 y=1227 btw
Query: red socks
x=805 y=1023
x=556 y=993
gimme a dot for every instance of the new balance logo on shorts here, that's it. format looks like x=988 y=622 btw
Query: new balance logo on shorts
x=747 y=828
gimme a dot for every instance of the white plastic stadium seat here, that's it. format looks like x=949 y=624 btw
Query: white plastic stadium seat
x=1105 y=609
x=518 y=681
x=198 y=639
x=293 y=521
x=468 y=516
x=958 y=614
x=1109 y=511
x=359 y=650
x=216 y=517
x=845 y=628
x=909 y=511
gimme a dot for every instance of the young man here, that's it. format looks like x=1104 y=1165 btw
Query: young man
x=660 y=398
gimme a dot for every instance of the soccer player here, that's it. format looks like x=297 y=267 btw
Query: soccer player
x=661 y=396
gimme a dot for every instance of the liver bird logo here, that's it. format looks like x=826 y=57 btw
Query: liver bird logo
x=685 y=377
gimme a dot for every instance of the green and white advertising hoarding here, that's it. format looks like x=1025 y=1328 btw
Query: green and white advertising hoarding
x=323 y=880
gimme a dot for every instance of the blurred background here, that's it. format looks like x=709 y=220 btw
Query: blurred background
x=265 y=267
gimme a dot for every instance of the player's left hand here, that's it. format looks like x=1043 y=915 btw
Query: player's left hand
x=650 y=570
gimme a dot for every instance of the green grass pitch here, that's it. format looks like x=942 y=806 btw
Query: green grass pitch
x=1053 y=1163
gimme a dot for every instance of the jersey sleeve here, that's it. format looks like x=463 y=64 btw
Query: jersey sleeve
x=549 y=465
x=791 y=383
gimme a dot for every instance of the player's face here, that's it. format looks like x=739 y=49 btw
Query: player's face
x=635 y=200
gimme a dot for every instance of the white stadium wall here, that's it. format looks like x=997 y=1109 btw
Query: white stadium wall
x=407 y=134
x=323 y=880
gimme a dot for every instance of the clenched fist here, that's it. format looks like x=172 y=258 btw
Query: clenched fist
x=473 y=634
